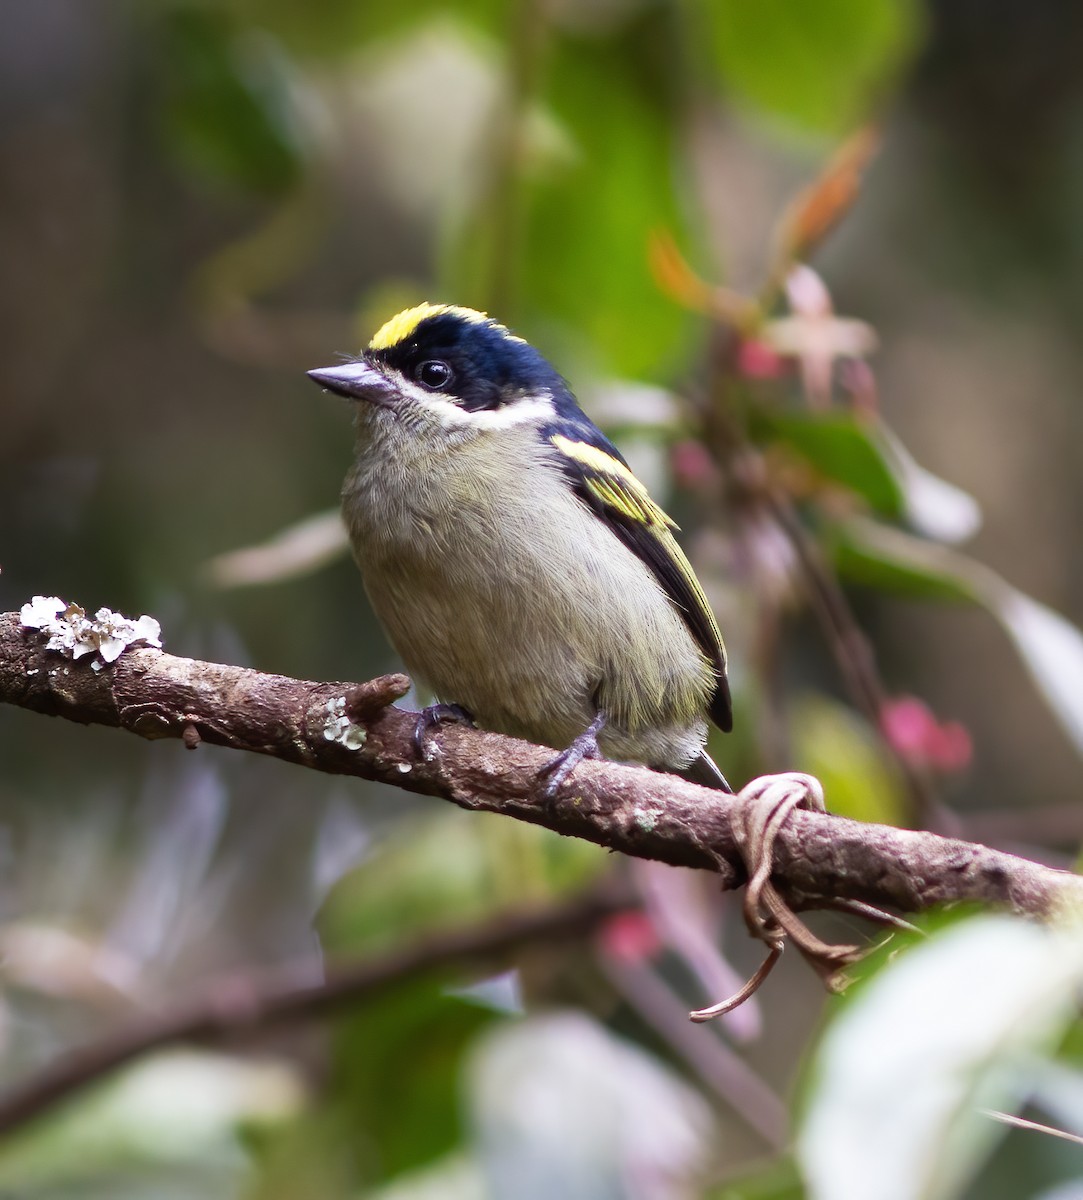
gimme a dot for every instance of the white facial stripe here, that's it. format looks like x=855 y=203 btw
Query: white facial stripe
x=417 y=397
x=521 y=412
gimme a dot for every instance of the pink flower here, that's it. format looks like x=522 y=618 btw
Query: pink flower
x=691 y=464
x=813 y=336
x=951 y=749
x=630 y=937
x=914 y=732
x=757 y=360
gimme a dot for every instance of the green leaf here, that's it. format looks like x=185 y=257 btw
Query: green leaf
x=403 y=1054
x=903 y=1070
x=774 y=1180
x=1052 y=649
x=570 y=232
x=1050 y=646
x=821 y=65
x=841 y=447
x=865 y=456
x=932 y=506
x=874 y=555
x=1058 y=1094
x=340 y=27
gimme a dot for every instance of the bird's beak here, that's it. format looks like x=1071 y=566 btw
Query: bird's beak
x=357 y=381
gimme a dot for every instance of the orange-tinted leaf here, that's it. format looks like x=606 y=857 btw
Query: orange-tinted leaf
x=677 y=279
x=819 y=207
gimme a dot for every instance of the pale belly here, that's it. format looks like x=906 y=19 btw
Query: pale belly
x=533 y=625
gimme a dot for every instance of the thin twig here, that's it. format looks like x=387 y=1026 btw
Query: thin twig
x=1034 y=1126
x=726 y=1073
x=853 y=653
x=242 y=1004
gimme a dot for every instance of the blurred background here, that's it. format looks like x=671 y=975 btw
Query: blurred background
x=780 y=250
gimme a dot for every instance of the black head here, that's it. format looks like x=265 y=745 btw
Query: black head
x=463 y=356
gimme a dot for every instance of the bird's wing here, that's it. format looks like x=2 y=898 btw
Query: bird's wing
x=606 y=484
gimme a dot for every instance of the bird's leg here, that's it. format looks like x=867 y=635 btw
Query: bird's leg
x=553 y=774
x=437 y=714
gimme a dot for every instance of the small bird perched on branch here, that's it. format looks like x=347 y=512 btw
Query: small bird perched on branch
x=516 y=563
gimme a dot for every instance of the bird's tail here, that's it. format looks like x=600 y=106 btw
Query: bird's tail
x=702 y=770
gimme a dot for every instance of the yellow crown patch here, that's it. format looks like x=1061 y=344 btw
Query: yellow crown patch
x=404 y=324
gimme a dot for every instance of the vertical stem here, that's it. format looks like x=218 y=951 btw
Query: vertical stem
x=856 y=660
x=523 y=74
x=851 y=649
x=771 y=733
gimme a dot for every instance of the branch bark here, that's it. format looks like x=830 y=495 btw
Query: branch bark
x=819 y=859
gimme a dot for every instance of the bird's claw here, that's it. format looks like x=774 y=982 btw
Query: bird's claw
x=553 y=774
x=437 y=714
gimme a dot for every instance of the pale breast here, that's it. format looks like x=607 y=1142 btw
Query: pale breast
x=508 y=597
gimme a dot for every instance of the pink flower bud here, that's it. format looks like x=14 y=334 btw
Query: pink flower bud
x=756 y=360
x=915 y=734
x=691 y=464
x=630 y=937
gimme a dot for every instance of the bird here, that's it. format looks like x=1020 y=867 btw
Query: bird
x=516 y=563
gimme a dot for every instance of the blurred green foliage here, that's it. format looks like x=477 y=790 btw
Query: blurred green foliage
x=226 y=109
x=398 y=1077
x=208 y=198
x=438 y=873
x=818 y=66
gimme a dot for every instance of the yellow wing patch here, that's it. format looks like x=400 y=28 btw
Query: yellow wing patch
x=404 y=324
x=615 y=486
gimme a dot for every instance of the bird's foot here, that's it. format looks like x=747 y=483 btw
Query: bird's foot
x=437 y=714
x=553 y=774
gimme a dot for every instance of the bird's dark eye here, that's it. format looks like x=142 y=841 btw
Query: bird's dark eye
x=434 y=375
